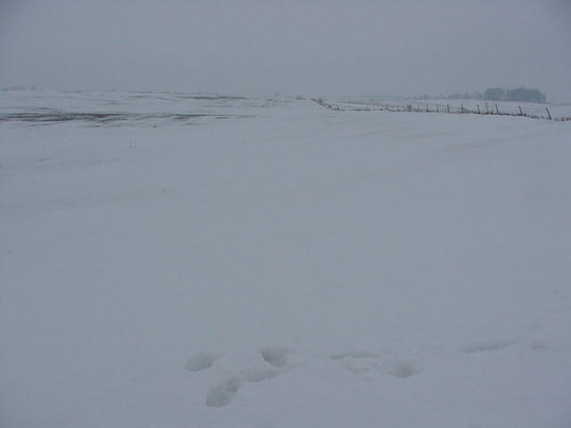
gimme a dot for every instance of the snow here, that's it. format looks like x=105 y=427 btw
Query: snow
x=289 y=266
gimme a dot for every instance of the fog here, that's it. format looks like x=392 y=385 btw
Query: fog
x=407 y=47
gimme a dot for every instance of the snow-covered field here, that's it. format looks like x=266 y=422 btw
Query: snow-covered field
x=288 y=266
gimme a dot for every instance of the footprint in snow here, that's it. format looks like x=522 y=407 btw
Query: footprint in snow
x=358 y=362
x=486 y=346
x=402 y=369
x=259 y=374
x=221 y=395
x=201 y=361
x=363 y=362
x=268 y=363
x=275 y=356
x=276 y=360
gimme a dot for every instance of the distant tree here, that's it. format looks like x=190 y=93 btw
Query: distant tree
x=526 y=95
x=495 y=94
x=519 y=94
x=465 y=96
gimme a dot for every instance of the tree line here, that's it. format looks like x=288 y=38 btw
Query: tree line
x=518 y=94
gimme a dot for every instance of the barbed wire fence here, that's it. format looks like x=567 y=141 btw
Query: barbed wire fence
x=490 y=109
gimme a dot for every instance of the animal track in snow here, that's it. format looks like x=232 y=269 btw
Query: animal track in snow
x=255 y=369
x=358 y=362
x=224 y=392
x=486 y=346
x=402 y=369
x=221 y=395
x=355 y=355
x=273 y=361
x=275 y=355
x=363 y=362
x=259 y=374
x=201 y=361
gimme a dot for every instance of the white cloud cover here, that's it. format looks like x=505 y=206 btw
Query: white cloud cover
x=334 y=47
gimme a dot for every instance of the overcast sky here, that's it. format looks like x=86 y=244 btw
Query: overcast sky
x=392 y=47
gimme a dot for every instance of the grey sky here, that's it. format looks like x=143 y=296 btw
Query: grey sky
x=403 y=47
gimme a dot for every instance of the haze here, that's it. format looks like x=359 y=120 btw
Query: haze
x=312 y=47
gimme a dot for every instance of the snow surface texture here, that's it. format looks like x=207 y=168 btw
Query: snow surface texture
x=287 y=267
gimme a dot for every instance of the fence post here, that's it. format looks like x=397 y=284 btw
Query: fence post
x=461 y=108
x=497 y=109
x=448 y=107
x=548 y=113
x=478 y=108
x=520 y=111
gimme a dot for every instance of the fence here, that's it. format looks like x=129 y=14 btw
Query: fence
x=486 y=109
